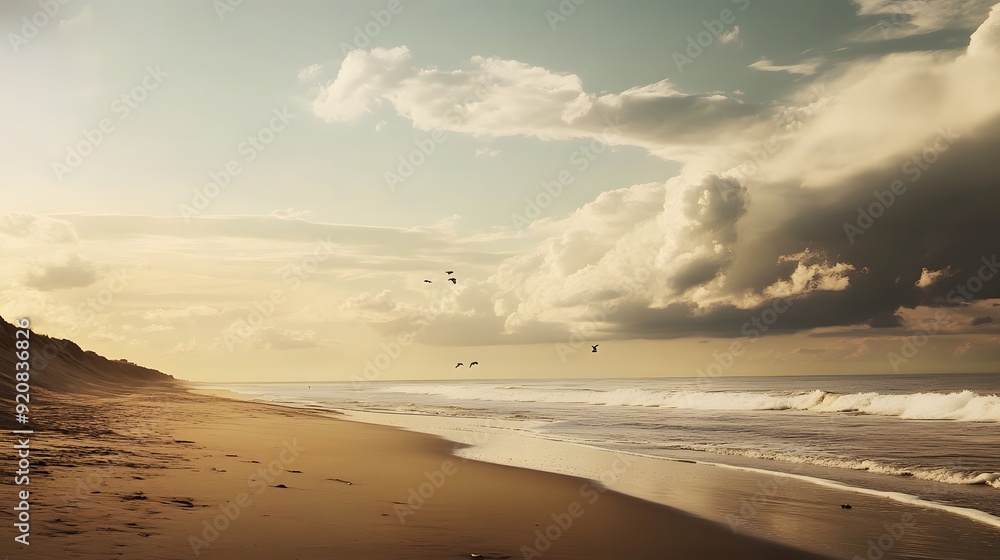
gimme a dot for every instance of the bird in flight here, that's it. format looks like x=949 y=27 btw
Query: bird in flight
x=458 y=365
x=449 y=272
x=453 y=281
x=594 y=346
x=428 y=282
x=473 y=364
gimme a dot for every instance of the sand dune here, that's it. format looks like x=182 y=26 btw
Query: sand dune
x=61 y=365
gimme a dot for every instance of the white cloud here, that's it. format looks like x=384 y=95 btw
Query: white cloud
x=731 y=36
x=34 y=229
x=812 y=274
x=985 y=42
x=876 y=112
x=497 y=97
x=902 y=18
x=360 y=82
x=310 y=72
x=487 y=152
x=928 y=277
x=807 y=68
x=650 y=246
x=84 y=17
x=679 y=245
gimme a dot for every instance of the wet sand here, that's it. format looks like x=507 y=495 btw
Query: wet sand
x=171 y=474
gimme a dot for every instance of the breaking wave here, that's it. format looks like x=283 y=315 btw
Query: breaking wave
x=936 y=474
x=966 y=406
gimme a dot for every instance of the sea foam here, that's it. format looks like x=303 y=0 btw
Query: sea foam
x=966 y=406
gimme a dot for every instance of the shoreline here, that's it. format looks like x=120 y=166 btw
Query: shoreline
x=175 y=474
x=763 y=511
x=973 y=514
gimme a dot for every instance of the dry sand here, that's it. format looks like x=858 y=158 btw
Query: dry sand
x=147 y=476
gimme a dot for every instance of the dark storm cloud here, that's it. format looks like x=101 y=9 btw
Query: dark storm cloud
x=946 y=219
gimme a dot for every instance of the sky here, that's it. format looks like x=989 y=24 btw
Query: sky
x=259 y=191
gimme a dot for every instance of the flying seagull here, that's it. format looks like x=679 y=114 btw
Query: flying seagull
x=594 y=346
x=449 y=272
x=473 y=364
x=453 y=281
x=458 y=365
x=428 y=282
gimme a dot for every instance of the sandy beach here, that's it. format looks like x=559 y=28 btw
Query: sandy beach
x=171 y=474
x=381 y=279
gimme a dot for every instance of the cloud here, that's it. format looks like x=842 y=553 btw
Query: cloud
x=59 y=272
x=962 y=349
x=290 y=213
x=812 y=273
x=373 y=308
x=669 y=238
x=499 y=97
x=310 y=72
x=885 y=111
x=415 y=243
x=48 y=312
x=903 y=18
x=236 y=336
x=180 y=313
x=487 y=152
x=288 y=339
x=185 y=347
x=83 y=18
x=359 y=84
x=807 y=68
x=731 y=36
x=105 y=333
x=657 y=250
x=985 y=42
x=705 y=253
x=36 y=229
x=699 y=254
x=928 y=277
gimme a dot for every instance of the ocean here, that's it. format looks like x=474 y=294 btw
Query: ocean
x=929 y=440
